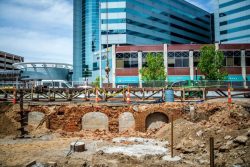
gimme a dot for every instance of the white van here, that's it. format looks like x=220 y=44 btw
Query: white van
x=55 y=84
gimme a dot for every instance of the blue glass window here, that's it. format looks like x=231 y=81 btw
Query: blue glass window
x=235 y=38
x=230 y=3
x=235 y=11
x=113 y=10
x=235 y=20
x=235 y=30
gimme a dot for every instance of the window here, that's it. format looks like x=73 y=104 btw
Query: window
x=196 y=58
x=95 y=66
x=56 y=84
x=233 y=2
x=178 y=59
x=171 y=60
x=237 y=10
x=119 y=60
x=64 y=85
x=247 y=53
x=232 y=58
x=242 y=28
x=126 y=60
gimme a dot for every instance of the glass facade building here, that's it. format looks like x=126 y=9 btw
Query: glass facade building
x=232 y=21
x=85 y=36
x=134 y=22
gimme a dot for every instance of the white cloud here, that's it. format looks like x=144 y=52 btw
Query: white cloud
x=35 y=46
x=38 y=30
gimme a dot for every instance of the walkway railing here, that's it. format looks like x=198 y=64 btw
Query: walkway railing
x=148 y=84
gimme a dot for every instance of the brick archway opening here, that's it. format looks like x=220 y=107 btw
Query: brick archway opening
x=156 y=120
x=95 y=120
x=126 y=121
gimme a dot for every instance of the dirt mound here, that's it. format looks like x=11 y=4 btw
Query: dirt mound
x=103 y=134
x=225 y=122
x=8 y=121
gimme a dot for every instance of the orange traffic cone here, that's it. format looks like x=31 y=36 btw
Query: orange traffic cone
x=96 y=96
x=229 y=94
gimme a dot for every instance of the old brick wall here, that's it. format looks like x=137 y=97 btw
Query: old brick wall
x=69 y=117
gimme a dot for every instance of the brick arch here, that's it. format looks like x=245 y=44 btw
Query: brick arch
x=140 y=119
x=155 y=117
x=166 y=109
x=43 y=109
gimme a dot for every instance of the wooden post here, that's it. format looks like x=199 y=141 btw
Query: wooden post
x=128 y=96
x=211 y=140
x=172 y=136
x=124 y=94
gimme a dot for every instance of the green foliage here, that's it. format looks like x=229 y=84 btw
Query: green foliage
x=96 y=83
x=155 y=69
x=211 y=63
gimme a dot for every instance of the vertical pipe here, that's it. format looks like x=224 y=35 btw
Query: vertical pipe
x=211 y=140
x=172 y=136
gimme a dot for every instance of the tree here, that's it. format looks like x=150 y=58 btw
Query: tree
x=154 y=69
x=211 y=63
x=96 y=83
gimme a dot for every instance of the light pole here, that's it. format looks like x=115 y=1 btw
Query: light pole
x=100 y=47
x=107 y=69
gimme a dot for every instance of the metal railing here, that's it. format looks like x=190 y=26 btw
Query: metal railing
x=151 y=84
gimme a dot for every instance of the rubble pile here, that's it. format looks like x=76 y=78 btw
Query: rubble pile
x=103 y=134
x=229 y=124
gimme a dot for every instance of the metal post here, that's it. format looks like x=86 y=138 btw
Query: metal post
x=172 y=136
x=211 y=140
x=196 y=73
x=100 y=47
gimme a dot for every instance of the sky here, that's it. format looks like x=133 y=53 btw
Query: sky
x=42 y=30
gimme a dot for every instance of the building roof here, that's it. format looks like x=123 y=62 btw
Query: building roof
x=42 y=65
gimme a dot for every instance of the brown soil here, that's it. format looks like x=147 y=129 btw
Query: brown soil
x=220 y=120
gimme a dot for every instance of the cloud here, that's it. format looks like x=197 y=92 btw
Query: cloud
x=208 y=5
x=35 y=46
x=38 y=30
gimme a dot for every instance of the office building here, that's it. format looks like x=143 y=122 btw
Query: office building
x=232 y=21
x=100 y=23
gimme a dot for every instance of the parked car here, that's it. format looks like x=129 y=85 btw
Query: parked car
x=55 y=84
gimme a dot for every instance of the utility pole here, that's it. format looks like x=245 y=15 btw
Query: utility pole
x=107 y=69
x=100 y=46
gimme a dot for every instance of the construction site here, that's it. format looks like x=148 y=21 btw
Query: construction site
x=113 y=127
